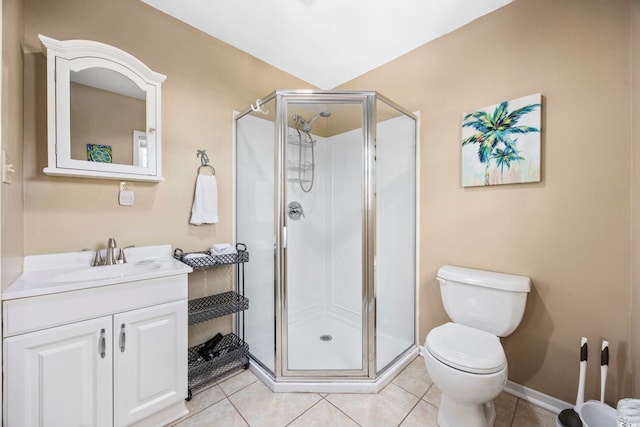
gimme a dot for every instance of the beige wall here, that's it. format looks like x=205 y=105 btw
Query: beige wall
x=571 y=233
x=12 y=137
x=206 y=80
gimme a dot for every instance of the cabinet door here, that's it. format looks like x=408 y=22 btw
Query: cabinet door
x=150 y=360
x=60 y=376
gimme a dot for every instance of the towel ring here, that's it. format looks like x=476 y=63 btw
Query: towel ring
x=204 y=161
x=207 y=166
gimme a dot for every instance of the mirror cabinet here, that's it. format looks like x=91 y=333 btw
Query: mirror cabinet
x=103 y=112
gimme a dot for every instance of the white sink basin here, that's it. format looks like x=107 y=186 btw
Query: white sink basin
x=53 y=273
x=106 y=272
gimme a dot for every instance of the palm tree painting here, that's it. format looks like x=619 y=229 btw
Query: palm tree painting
x=501 y=143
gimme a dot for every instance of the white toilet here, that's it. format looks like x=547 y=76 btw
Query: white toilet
x=465 y=358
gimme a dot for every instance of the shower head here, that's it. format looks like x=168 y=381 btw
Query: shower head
x=306 y=125
x=320 y=114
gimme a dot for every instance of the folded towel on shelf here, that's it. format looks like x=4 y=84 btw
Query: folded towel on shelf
x=223 y=249
x=205 y=201
x=628 y=412
x=194 y=255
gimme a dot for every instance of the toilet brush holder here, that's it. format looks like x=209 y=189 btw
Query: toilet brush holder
x=593 y=413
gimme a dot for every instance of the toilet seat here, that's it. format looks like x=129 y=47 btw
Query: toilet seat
x=466 y=349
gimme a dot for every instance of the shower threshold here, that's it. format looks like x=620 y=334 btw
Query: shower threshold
x=335 y=385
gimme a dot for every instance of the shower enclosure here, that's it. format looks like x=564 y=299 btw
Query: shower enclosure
x=326 y=204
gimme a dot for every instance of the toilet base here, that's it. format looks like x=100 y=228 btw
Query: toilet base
x=456 y=414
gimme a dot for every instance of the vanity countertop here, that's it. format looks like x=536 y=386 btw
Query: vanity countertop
x=64 y=272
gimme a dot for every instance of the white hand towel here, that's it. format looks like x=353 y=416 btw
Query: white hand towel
x=205 y=201
x=222 y=249
x=193 y=256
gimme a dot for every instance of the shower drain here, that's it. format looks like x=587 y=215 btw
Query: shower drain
x=326 y=337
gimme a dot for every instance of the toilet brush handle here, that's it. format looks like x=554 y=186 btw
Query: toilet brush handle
x=584 y=350
x=604 y=366
x=583 y=369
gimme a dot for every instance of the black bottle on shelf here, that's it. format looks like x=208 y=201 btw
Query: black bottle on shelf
x=207 y=350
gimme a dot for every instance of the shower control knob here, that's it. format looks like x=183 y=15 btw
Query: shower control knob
x=295 y=211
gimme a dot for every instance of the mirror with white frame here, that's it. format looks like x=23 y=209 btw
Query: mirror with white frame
x=103 y=112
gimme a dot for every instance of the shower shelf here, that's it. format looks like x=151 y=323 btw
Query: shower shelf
x=231 y=352
x=304 y=181
x=295 y=141
x=299 y=172
x=293 y=165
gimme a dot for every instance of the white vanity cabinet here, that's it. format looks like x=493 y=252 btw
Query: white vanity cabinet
x=58 y=376
x=149 y=361
x=104 y=356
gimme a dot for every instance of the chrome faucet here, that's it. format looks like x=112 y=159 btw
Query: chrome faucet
x=110 y=257
x=111 y=246
x=121 y=258
x=97 y=259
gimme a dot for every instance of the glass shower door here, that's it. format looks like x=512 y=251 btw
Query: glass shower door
x=255 y=224
x=324 y=218
x=395 y=232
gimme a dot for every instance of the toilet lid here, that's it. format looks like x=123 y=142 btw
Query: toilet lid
x=466 y=349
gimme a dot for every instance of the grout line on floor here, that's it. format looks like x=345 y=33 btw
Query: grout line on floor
x=515 y=409
x=411 y=393
x=305 y=411
x=345 y=414
x=410 y=411
x=239 y=413
x=240 y=389
x=191 y=412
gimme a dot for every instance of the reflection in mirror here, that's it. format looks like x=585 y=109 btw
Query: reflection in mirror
x=140 y=149
x=105 y=109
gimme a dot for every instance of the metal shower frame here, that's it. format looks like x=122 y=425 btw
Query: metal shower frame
x=367 y=99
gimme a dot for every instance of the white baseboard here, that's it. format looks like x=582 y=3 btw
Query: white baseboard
x=536 y=398
x=532 y=396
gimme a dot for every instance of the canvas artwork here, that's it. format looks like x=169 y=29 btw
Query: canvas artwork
x=501 y=143
x=99 y=153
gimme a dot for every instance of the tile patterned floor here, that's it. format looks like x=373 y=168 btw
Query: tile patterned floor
x=410 y=400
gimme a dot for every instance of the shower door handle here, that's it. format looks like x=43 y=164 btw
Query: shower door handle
x=284 y=237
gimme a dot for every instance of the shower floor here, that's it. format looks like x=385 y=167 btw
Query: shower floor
x=344 y=351
x=308 y=351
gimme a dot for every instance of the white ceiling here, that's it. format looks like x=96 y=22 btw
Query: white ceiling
x=327 y=42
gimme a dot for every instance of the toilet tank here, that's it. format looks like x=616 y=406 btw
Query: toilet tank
x=485 y=300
